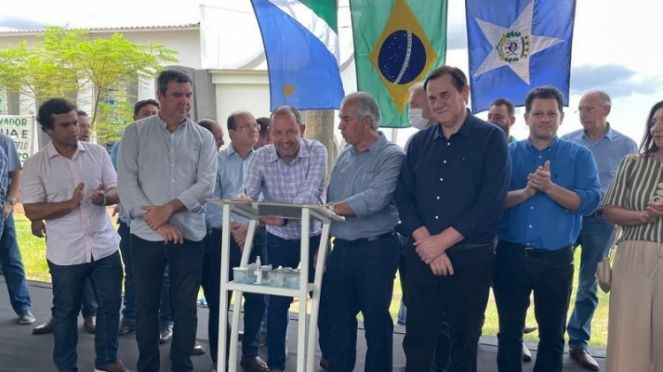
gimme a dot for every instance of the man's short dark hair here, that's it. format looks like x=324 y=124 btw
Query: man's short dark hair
x=167 y=76
x=82 y=113
x=544 y=92
x=458 y=78
x=207 y=123
x=286 y=109
x=142 y=103
x=263 y=122
x=230 y=122
x=54 y=106
x=510 y=108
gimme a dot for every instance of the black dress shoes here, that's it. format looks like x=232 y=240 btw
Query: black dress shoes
x=89 y=323
x=126 y=327
x=584 y=359
x=43 y=328
x=198 y=349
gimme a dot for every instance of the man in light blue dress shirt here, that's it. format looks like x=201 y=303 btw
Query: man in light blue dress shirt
x=234 y=163
x=166 y=172
x=362 y=266
x=596 y=236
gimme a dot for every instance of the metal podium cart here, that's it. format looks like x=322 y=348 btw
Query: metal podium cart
x=252 y=210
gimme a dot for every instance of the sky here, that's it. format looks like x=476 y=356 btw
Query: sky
x=614 y=46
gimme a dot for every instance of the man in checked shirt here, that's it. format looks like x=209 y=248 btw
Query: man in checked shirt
x=290 y=170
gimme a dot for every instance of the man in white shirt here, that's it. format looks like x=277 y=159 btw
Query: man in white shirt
x=68 y=184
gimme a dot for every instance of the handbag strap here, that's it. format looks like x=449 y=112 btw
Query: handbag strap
x=615 y=239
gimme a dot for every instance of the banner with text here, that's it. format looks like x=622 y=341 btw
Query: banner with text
x=20 y=129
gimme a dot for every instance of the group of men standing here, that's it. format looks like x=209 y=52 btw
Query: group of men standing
x=456 y=191
x=532 y=196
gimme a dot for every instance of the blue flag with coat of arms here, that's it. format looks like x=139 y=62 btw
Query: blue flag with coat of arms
x=517 y=45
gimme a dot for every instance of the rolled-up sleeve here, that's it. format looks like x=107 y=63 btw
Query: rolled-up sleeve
x=108 y=174
x=253 y=182
x=381 y=189
x=32 y=186
x=197 y=194
x=314 y=181
x=587 y=186
x=128 y=185
x=617 y=192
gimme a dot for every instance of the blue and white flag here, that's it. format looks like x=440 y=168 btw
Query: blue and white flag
x=301 y=45
x=517 y=45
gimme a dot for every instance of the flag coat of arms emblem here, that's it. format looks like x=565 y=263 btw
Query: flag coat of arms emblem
x=517 y=45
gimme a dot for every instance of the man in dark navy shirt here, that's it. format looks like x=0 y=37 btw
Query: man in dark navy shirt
x=450 y=194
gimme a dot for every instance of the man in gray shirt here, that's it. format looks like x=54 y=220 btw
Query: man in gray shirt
x=362 y=265
x=166 y=172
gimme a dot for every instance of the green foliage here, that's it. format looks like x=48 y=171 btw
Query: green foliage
x=111 y=120
x=68 y=60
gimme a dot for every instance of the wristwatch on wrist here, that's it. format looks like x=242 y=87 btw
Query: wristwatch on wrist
x=12 y=200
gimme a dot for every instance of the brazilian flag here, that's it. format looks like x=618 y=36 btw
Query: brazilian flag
x=397 y=43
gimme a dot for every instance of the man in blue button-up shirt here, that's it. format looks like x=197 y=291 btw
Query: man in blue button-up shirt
x=233 y=165
x=362 y=266
x=596 y=236
x=450 y=194
x=554 y=183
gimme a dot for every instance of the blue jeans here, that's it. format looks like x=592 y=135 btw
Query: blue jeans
x=89 y=301
x=129 y=310
x=518 y=272
x=360 y=278
x=285 y=253
x=595 y=239
x=185 y=268
x=68 y=282
x=254 y=304
x=12 y=266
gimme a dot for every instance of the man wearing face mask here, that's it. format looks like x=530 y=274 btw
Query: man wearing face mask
x=418 y=110
x=420 y=118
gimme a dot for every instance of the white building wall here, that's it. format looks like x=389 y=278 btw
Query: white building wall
x=244 y=90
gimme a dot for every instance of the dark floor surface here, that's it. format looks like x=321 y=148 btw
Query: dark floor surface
x=20 y=351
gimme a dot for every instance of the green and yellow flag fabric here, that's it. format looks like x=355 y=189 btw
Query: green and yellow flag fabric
x=397 y=43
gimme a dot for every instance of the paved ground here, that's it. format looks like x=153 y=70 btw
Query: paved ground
x=20 y=351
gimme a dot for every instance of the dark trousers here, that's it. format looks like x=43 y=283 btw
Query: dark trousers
x=459 y=300
x=89 y=301
x=549 y=274
x=441 y=358
x=283 y=252
x=185 y=268
x=360 y=278
x=68 y=282
x=254 y=304
x=129 y=310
